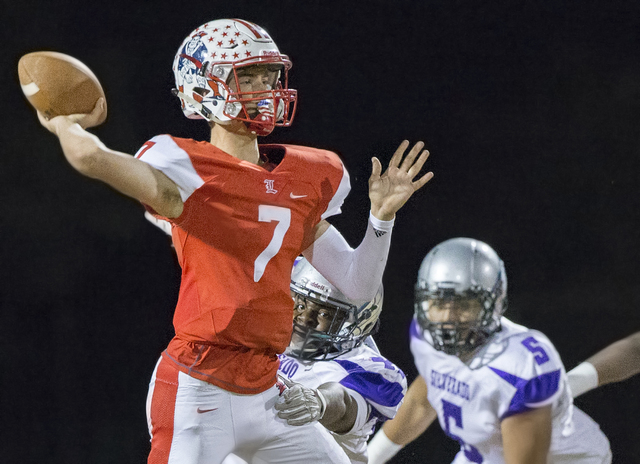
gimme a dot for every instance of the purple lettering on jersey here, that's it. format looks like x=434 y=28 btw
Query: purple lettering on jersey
x=371 y=385
x=450 y=410
x=288 y=367
x=450 y=384
x=529 y=392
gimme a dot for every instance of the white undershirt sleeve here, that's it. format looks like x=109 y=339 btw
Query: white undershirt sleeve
x=380 y=449
x=356 y=273
x=363 y=410
x=582 y=378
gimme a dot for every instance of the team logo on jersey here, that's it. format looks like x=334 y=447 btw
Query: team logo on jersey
x=269 y=184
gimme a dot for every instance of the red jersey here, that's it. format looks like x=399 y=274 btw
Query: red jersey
x=237 y=238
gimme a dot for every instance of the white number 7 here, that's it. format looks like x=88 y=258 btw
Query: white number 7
x=282 y=216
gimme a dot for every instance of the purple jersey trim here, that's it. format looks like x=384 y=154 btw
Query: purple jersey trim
x=372 y=386
x=378 y=415
x=415 y=331
x=528 y=392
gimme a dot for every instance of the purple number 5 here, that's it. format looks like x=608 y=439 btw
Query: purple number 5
x=451 y=411
x=532 y=345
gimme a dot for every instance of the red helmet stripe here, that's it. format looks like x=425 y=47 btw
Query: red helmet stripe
x=250 y=26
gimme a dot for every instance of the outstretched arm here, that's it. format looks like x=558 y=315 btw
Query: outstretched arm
x=615 y=363
x=358 y=273
x=413 y=418
x=89 y=156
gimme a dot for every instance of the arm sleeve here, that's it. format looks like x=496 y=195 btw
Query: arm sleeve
x=356 y=273
x=381 y=448
x=582 y=378
x=363 y=410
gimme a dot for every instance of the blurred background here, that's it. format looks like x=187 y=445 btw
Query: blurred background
x=531 y=112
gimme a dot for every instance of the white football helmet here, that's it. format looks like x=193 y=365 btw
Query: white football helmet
x=209 y=58
x=326 y=323
x=461 y=269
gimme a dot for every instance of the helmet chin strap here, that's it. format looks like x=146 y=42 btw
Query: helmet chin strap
x=261 y=127
x=199 y=107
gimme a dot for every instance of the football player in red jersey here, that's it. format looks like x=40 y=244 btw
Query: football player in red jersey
x=241 y=213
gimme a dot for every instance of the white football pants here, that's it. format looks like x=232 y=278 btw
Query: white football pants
x=195 y=422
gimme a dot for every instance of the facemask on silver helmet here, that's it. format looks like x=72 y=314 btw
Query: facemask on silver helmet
x=464 y=280
x=326 y=323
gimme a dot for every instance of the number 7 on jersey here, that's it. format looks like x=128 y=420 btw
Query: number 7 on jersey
x=268 y=213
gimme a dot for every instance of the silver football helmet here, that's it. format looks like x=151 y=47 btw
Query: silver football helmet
x=461 y=273
x=209 y=59
x=326 y=323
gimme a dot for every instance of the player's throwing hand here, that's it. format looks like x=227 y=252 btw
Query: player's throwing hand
x=84 y=120
x=389 y=191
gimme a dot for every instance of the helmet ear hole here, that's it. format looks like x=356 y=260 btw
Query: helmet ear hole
x=201 y=91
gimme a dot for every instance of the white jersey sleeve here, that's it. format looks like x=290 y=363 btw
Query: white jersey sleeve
x=336 y=202
x=380 y=382
x=162 y=153
x=533 y=371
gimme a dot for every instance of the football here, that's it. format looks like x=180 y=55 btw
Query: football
x=58 y=84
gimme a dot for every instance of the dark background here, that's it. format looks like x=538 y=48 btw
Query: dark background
x=530 y=109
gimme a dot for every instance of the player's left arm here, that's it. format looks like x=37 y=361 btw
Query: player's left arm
x=526 y=437
x=342 y=407
x=615 y=363
x=358 y=273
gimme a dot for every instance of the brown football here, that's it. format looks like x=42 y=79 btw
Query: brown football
x=58 y=84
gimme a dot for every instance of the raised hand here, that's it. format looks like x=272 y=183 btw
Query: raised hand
x=389 y=191
x=95 y=118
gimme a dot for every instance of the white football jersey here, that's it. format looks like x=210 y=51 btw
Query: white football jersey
x=517 y=370
x=374 y=381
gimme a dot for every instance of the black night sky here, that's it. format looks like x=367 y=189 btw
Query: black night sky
x=530 y=110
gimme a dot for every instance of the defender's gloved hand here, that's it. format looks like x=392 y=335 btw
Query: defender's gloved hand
x=300 y=405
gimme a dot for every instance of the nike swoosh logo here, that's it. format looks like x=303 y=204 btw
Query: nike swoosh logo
x=296 y=196
x=201 y=411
